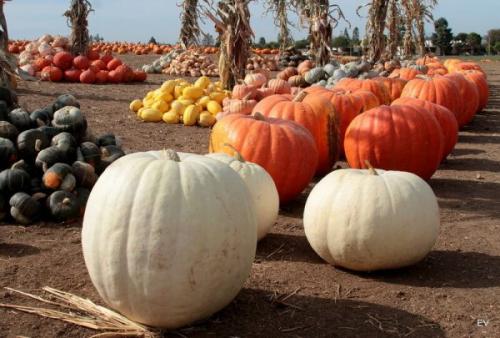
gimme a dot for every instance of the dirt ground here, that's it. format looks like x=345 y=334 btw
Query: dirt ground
x=454 y=292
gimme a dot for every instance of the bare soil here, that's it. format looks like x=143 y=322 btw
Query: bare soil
x=450 y=293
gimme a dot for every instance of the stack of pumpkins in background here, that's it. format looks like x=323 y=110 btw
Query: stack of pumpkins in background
x=48 y=160
x=178 y=101
x=181 y=62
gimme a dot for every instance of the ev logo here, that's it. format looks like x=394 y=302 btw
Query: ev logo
x=482 y=322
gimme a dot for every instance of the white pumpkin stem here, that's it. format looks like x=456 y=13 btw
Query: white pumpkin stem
x=171 y=155
x=300 y=96
x=237 y=154
x=66 y=201
x=371 y=168
x=38 y=145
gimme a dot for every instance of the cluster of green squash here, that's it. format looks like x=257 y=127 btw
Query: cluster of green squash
x=48 y=160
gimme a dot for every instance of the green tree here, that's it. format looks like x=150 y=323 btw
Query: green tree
x=474 y=42
x=208 y=40
x=341 y=42
x=496 y=47
x=262 y=41
x=492 y=37
x=153 y=40
x=443 y=36
x=355 y=36
x=460 y=43
x=346 y=34
x=302 y=44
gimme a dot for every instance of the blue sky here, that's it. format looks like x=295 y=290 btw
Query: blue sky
x=139 y=20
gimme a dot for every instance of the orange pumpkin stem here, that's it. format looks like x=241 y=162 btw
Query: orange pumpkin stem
x=371 y=168
x=237 y=154
x=300 y=96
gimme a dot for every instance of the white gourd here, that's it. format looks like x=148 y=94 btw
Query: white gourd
x=168 y=242
x=364 y=221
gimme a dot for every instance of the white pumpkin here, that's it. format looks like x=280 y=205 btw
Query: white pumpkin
x=261 y=186
x=169 y=242
x=365 y=220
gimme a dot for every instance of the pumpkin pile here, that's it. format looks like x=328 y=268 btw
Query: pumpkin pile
x=49 y=161
x=181 y=62
x=178 y=101
x=257 y=62
x=291 y=57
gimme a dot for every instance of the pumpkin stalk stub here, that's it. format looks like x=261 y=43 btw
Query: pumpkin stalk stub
x=300 y=96
x=371 y=169
x=66 y=201
x=237 y=154
x=38 y=145
x=259 y=116
x=171 y=154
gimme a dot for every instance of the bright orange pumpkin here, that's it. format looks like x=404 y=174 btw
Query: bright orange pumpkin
x=437 y=89
x=400 y=137
x=394 y=85
x=481 y=84
x=52 y=73
x=444 y=116
x=81 y=62
x=284 y=148
x=405 y=73
x=374 y=86
x=63 y=60
x=72 y=75
x=313 y=112
x=470 y=94
x=87 y=77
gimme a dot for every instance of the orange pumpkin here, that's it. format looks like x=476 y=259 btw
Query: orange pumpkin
x=287 y=73
x=113 y=64
x=101 y=76
x=481 y=84
x=81 y=62
x=400 y=137
x=438 y=89
x=87 y=77
x=314 y=113
x=243 y=91
x=470 y=97
x=285 y=149
x=279 y=86
x=52 y=73
x=347 y=105
x=140 y=76
x=405 y=73
x=374 y=86
x=444 y=116
x=394 y=86
x=63 y=60
x=72 y=75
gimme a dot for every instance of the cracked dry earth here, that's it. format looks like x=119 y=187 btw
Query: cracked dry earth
x=454 y=292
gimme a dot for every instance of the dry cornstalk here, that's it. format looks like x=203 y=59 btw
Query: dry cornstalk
x=77 y=19
x=8 y=63
x=232 y=22
x=279 y=8
x=190 y=29
x=393 y=39
x=409 y=15
x=85 y=313
x=375 y=27
x=422 y=12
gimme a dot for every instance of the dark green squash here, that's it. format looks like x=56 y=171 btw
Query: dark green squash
x=4 y=207
x=49 y=131
x=90 y=153
x=63 y=206
x=41 y=117
x=85 y=174
x=72 y=120
x=30 y=143
x=8 y=130
x=109 y=154
x=82 y=195
x=14 y=180
x=106 y=140
x=8 y=153
x=56 y=176
x=25 y=166
x=8 y=96
x=24 y=208
x=36 y=185
x=67 y=144
x=48 y=157
x=64 y=101
x=20 y=118
x=4 y=111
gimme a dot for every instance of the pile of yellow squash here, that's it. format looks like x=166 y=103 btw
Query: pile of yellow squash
x=178 y=101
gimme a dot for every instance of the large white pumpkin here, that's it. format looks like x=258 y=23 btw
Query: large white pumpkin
x=261 y=186
x=365 y=220
x=168 y=242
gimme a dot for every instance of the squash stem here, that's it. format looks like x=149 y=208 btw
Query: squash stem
x=172 y=155
x=300 y=96
x=371 y=169
x=259 y=116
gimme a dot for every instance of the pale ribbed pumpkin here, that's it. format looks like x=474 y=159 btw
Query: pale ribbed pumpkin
x=279 y=86
x=255 y=79
x=368 y=220
x=177 y=241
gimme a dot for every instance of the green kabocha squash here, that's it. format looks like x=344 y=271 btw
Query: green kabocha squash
x=90 y=153
x=49 y=131
x=24 y=208
x=63 y=206
x=8 y=153
x=41 y=117
x=85 y=174
x=4 y=111
x=59 y=177
x=48 y=157
x=8 y=131
x=70 y=119
x=64 y=101
x=82 y=195
x=14 y=180
x=315 y=75
x=36 y=185
x=67 y=144
x=20 y=118
x=106 y=140
x=30 y=143
x=109 y=154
